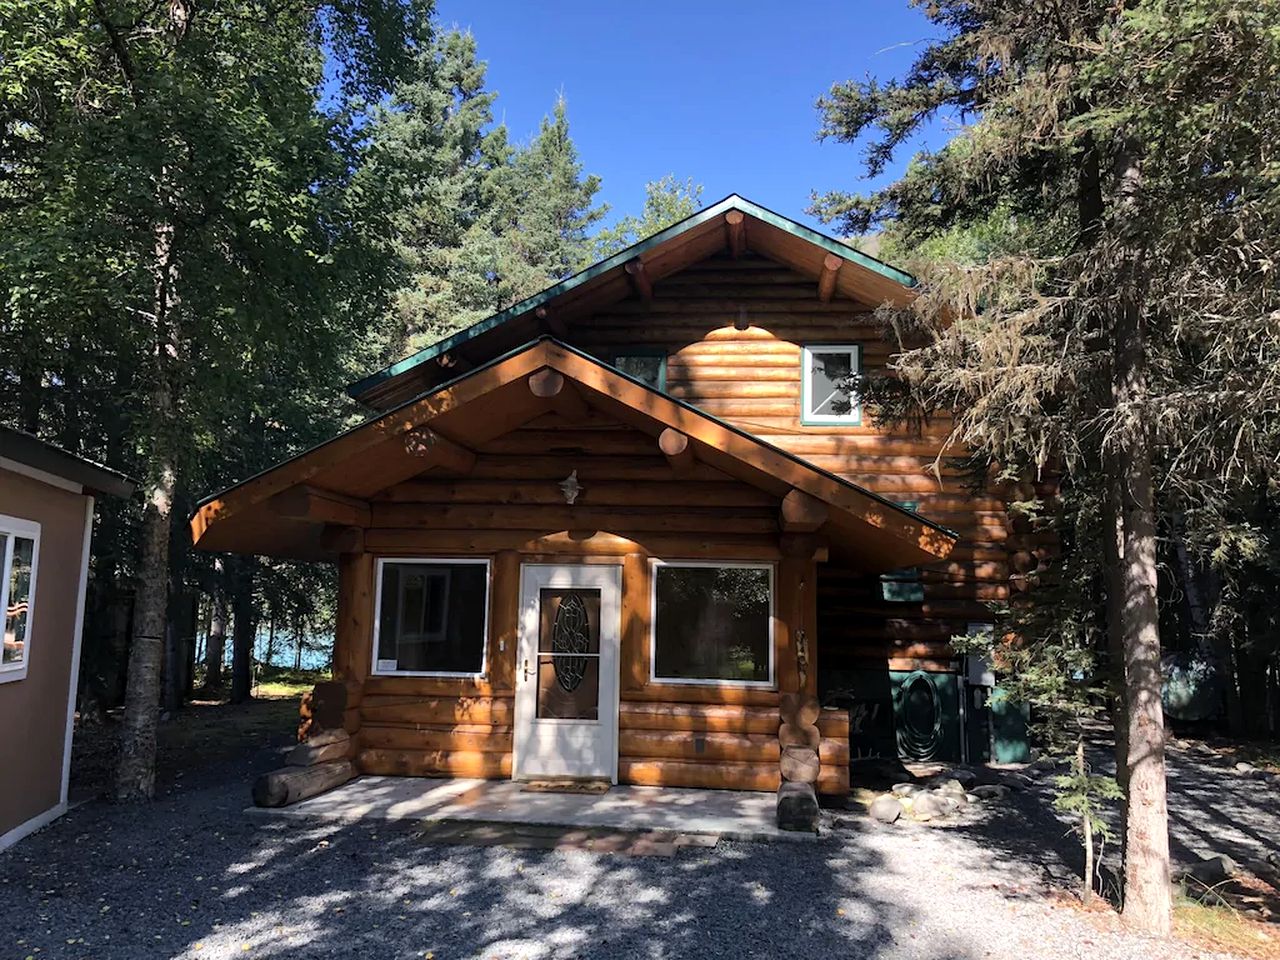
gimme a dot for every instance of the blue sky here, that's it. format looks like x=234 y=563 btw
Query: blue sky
x=719 y=91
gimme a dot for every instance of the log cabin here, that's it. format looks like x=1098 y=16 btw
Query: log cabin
x=631 y=527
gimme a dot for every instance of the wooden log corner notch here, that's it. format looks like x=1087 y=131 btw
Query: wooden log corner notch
x=801 y=512
x=640 y=279
x=548 y=384
x=553 y=323
x=827 y=281
x=675 y=447
x=735 y=226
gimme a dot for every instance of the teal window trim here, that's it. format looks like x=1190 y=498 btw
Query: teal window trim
x=851 y=419
x=904 y=584
x=658 y=352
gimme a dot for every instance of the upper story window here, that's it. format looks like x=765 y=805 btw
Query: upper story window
x=19 y=554
x=647 y=366
x=431 y=617
x=825 y=375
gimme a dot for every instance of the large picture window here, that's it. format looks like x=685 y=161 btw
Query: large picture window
x=713 y=623
x=19 y=555
x=432 y=617
x=825 y=382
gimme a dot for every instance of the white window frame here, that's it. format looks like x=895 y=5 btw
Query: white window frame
x=654 y=566
x=29 y=530
x=854 y=417
x=379 y=564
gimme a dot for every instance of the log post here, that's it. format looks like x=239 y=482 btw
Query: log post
x=288 y=785
x=827 y=281
x=735 y=226
x=798 y=761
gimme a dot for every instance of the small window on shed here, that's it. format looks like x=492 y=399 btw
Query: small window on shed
x=903 y=585
x=647 y=366
x=826 y=388
x=19 y=554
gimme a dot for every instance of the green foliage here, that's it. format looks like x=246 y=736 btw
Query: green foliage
x=666 y=201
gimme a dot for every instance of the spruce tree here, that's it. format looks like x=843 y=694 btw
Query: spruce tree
x=1127 y=337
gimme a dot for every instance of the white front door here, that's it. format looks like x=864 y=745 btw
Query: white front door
x=567 y=671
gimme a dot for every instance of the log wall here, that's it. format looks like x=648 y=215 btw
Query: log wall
x=733 y=330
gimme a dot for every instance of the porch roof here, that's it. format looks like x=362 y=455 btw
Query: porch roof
x=295 y=508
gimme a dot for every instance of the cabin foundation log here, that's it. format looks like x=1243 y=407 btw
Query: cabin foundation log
x=291 y=784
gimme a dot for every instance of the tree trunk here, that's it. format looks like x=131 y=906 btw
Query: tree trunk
x=1147 y=902
x=216 y=648
x=1112 y=549
x=1086 y=829
x=270 y=653
x=136 y=773
x=242 y=633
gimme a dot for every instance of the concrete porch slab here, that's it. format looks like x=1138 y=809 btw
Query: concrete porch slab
x=731 y=814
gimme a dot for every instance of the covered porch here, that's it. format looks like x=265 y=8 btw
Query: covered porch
x=674 y=811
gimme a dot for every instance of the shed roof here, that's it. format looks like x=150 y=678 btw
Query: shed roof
x=733 y=222
x=494 y=399
x=30 y=451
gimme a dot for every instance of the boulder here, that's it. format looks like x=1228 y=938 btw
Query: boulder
x=1243 y=767
x=1211 y=871
x=990 y=791
x=906 y=789
x=949 y=801
x=927 y=806
x=953 y=788
x=1265 y=870
x=885 y=808
x=797 y=807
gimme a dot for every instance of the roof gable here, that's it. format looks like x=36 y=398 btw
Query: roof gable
x=733 y=224
x=439 y=432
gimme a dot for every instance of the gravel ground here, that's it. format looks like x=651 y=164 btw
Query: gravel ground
x=191 y=877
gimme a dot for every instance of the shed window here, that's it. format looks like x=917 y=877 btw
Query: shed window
x=713 y=623
x=19 y=555
x=432 y=617
x=647 y=366
x=826 y=388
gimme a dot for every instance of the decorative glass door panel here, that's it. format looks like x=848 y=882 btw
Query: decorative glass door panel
x=569 y=655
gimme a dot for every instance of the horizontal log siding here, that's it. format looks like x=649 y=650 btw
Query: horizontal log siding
x=751 y=378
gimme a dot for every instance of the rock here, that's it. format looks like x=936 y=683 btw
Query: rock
x=950 y=802
x=990 y=791
x=1243 y=767
x=952 y=788
x=967 y=778
x=1265 y=870
x=905 y=789
x=1211 y=871
x=927 y=806
x=797 y=807
x=885 y=808
x=970 y=798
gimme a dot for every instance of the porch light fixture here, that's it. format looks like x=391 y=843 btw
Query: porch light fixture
x=570 y=487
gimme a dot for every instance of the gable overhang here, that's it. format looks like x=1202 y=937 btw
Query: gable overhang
x=300 y=508
x=734 y=225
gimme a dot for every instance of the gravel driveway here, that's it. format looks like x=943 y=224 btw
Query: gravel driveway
x=191 y=877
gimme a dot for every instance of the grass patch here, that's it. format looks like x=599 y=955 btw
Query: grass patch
x=1225 y=929
x=279 y=683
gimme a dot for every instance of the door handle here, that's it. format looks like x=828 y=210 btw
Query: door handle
x=526 y=668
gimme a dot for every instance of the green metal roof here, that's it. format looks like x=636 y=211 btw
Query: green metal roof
x=731 y=202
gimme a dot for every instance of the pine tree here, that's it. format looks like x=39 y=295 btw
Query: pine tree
x=666 y=201
x=1127 y=338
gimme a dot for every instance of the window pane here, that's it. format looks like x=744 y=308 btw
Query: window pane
x=647 y=368
x=711 y=623
x=432 y=617
x=902 y=586
x=829 y=373
x=569 y=654
x=18 y=613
